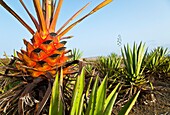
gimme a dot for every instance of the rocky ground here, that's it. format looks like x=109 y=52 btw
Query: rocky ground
x=156 y=103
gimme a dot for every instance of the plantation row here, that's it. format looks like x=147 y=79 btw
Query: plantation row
x=136 y=70
x=134 y=67
x=108 y=81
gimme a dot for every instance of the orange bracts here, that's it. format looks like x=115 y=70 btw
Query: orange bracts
x=46 y=51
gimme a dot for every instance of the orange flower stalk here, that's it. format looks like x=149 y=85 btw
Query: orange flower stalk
x=46 y=51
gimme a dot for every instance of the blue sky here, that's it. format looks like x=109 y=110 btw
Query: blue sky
x=133 y=20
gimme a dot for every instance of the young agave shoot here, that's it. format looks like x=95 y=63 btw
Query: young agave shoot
x=46 y=51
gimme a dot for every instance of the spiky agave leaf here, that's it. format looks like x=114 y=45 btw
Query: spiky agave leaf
x=46 y=51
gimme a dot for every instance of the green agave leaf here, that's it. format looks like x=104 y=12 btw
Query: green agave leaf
x=128 y=106
x=109 y=102
x=144 y=64
x=129 y=59
x=101 y=95
x=124 y=58
x=92 y=100
x=60 y=102
x=77 y=94
x=134 y=57
x=118 y=62
x=88 y=87
x=81 y=105
x=141 y=56
x=111 y=95
x=56 y=104
x=109 y=107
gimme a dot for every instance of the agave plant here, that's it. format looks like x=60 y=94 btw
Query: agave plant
x=109 y=65
x=133 y=60
x=76 y=54
x=98 y=103
x=159 y=60
x=37 y=66
x=168 y=65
